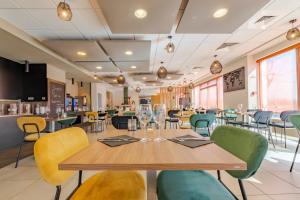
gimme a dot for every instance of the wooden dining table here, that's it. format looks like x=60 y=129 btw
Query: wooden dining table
x=152 y=156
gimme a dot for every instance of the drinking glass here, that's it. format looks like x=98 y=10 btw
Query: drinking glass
x=144 y=115
x=240 y=107
x=47 y=109
x=58 y=111
x=159 y=114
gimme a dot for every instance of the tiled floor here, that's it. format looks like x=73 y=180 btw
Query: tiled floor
x=272 y=181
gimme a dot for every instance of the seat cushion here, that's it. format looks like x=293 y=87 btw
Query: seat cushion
x=172 y=120
x=235 y=122
x=256 y=125
x=31 y=137
x=190 y=185
x=281 y=124
x=185 y=127
x=112 y=185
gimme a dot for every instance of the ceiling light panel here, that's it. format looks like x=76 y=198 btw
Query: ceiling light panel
x=117 y=49
x=144 y=77
x=121 y=15
x=199 y=15
x=134 y=66
x=94 y=66
x=70 y=48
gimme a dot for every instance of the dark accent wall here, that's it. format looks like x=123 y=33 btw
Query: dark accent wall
x=15 y=83
x=10 y=79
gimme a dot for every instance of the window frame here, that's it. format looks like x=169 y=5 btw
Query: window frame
x=209 y=86
x=295 y=47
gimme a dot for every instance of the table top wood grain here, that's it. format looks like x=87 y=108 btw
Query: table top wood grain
x=152 y=155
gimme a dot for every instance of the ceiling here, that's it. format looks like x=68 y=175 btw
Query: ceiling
x=105 y=29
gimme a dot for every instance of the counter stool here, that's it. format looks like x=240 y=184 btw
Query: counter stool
x=31 y=128
x=102 y=119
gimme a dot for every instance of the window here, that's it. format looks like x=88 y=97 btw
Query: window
x=278 y=82
x=209 y=95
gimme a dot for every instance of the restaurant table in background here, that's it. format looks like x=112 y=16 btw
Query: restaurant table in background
x=152 y=156
x=52 y=120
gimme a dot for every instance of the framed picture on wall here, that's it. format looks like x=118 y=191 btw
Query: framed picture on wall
x=234 y=80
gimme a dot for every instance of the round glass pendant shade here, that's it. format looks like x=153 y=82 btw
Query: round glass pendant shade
x=170 y=89
x=170 y=48
x=138 y=89
x=191 y=86
x=216 y=67
x=64 y=11
x=162 y=72
x=293 y=34
x=121 y=79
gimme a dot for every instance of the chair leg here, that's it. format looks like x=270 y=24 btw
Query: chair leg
x=18 y=157
x=271 y=138
x=275 y=134
x=79 y=178
x=57 y=194
x=291 y=169
x=242 y=189
x=284 y=131
x=219 y=175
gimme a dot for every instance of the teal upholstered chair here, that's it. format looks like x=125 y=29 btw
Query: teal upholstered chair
x=187 y=185
x=201 y=123
x=295 y=120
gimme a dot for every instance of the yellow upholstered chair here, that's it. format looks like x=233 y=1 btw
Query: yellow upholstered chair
x=53 y=148
x=185 y=119
x=93 y=119
x=31 y=128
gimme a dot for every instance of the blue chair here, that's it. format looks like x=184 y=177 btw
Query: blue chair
x=285 y=123
x=261 y=122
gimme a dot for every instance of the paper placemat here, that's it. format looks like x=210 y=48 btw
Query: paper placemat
x=189 y=142
x=118 y=140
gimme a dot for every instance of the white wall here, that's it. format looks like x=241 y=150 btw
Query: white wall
x=71 y=89
x=56 y=74
x=118 y=96
x=97 y=88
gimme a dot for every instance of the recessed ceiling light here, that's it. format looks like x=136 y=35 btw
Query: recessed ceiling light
x=140 y=13
x=144 y=78
x=81 y=53
x=195 y=73
x=133 y=67
x=99 y=67
x=220 y=13
x=129 y=53
x=169 y=77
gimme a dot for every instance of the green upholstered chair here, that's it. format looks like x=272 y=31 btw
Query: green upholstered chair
x=201 y=123
x=295 y=120
x=64 y=123
x=187 y=185
x=129 y=113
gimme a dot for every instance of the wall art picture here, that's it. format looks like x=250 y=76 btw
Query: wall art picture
x=234 y=80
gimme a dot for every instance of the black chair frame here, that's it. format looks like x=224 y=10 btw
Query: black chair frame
x=207 y=124
x=25 y=133
x=58 y=187
x=243 y=191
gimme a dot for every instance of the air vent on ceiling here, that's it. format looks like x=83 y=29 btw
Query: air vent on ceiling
x=227 y=44
x=265 y=19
